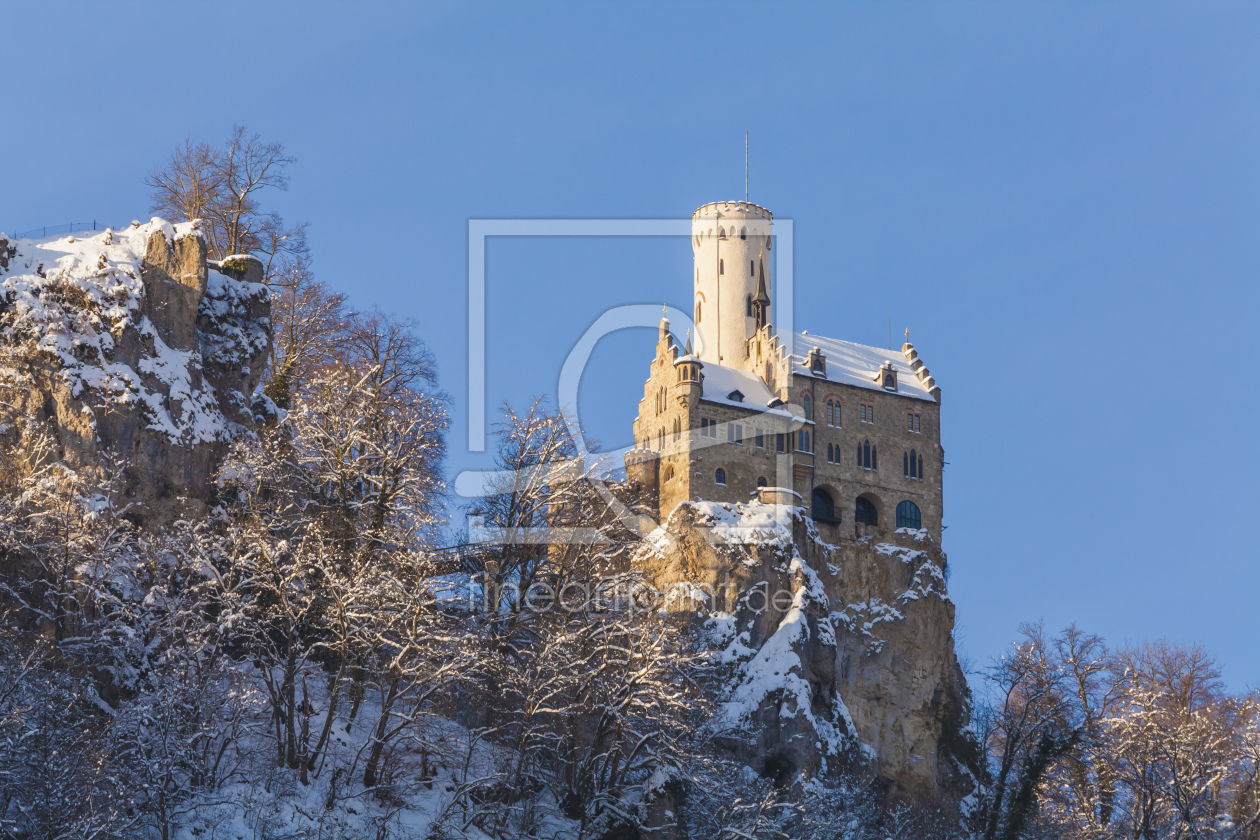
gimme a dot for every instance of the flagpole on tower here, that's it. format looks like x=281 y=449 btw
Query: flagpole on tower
x=745 y=167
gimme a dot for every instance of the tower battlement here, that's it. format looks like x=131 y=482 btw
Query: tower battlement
x=713 y=208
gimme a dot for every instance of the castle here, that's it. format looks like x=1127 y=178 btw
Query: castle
x=850 y=431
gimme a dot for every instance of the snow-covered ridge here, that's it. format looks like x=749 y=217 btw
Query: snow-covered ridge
x=86 y=304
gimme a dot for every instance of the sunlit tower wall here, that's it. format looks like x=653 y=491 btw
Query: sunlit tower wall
x=731 y=241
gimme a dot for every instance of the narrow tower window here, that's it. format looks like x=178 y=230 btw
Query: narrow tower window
x=697 y=312
x=748 y=306
x=719 y=477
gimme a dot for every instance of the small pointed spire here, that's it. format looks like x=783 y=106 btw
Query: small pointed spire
x=687 y=350
x=762 y=295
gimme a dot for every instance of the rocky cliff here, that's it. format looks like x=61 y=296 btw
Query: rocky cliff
x=131 y=346
x=841 y=657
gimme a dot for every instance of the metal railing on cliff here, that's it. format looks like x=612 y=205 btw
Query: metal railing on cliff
x=55 y=230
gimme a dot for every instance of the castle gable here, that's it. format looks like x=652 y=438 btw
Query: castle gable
x=859 y=365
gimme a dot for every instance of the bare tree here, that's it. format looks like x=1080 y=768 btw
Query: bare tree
x=189 y=185
x=221 y=187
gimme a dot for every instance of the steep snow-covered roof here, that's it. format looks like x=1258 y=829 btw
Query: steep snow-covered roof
x=856 y=364
x=720 y=382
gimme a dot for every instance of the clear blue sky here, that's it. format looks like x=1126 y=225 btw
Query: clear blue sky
x=1061 y=200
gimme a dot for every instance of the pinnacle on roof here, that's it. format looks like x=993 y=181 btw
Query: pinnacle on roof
x=762 y=296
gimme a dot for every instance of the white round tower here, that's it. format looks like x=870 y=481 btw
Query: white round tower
x=731 y=242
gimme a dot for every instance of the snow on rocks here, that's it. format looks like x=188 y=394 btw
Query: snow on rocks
x=834 y=654
x=132 y=341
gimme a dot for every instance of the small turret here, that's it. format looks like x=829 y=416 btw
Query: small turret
x=761 y=300
x=688 y=387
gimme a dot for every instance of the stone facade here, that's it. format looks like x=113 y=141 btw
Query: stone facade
x=765 y=416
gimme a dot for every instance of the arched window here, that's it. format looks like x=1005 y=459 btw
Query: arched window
x=914 y=471
x=660 y=441
x=719 y=476
x=748 y=305
x=669 y=473
x=920 y=468
x=829 y=453
x=865 y=512
x=802 y=440
x=824 y=508
x=743 y=233
x=908 y=515
x=866 y=454
x=905 y=465
x=874 y=457
x=859 y=456
x=761 y=481
x=809 y=408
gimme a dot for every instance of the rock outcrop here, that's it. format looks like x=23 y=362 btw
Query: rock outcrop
x=841 y=656
x=132 y=346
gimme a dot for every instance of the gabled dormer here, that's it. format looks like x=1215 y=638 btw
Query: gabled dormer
x=886 y=377
x=816 y=362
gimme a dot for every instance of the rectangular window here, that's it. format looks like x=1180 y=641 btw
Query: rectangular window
x=802 y=441
x=916 y=424
x=739 y=434
x=778 y=442
x=730 y=432
x=760 y=440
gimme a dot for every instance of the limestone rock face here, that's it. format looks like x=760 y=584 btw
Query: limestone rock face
x=841 y=656
x=132 y=346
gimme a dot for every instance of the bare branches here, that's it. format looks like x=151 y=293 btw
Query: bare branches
x=221 y=186
x=1142 y=743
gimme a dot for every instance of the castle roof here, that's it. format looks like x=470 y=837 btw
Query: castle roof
x=721 y=382
x=857 y=365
